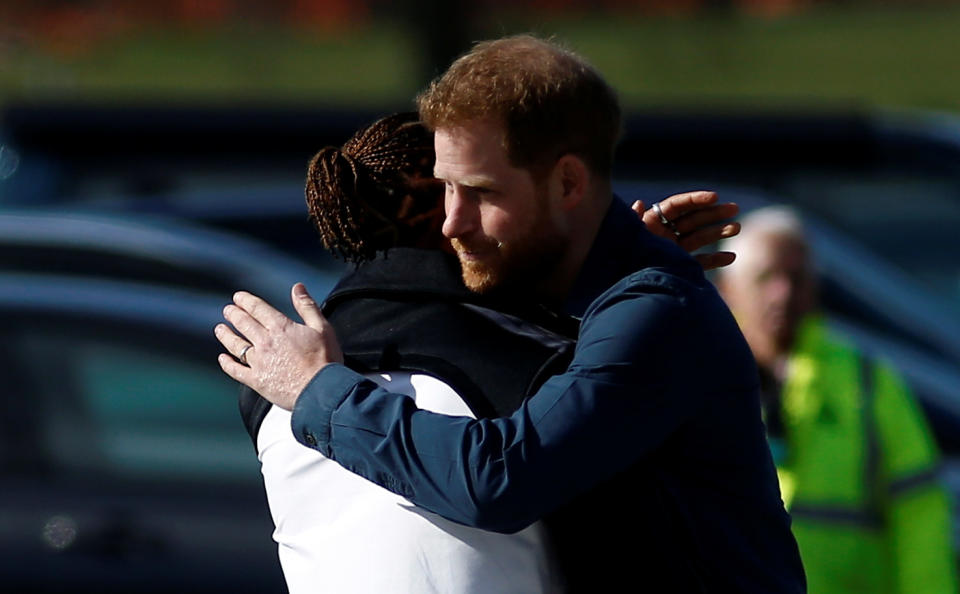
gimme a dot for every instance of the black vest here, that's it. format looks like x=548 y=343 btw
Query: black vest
x=409 y=311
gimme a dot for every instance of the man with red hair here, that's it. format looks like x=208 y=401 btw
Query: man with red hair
x=653 y=433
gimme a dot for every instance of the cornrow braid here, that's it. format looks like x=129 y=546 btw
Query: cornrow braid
x=377 y=191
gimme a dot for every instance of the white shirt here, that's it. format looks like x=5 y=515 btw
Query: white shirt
x=338 y=532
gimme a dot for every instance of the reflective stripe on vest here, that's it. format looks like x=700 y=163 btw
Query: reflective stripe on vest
x=867 y=515
x=838 y=514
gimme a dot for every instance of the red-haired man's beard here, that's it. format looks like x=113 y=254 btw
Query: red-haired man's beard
x=523 y=262
x=481 y=263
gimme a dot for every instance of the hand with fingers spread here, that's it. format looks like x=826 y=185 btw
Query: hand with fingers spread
x=277 y=356
x=693 y=220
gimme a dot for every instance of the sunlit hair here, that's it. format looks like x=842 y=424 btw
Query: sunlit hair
x=550 y=101
x=377 y=191
x=769 y=221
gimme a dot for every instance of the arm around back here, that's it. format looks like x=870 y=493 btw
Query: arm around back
x=607 y=410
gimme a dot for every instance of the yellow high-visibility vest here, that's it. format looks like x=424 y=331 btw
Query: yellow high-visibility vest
x=859 y=475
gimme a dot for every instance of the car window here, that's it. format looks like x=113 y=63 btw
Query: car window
x=132 y=401
x=158 y=413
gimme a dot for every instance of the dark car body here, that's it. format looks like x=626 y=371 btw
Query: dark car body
x=124 y=464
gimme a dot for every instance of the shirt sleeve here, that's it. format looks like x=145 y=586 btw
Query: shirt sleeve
x=621 y=396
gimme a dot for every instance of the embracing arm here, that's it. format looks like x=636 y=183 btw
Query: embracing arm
x=502 y=474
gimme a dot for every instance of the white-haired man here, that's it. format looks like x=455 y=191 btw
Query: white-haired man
x=856 y=461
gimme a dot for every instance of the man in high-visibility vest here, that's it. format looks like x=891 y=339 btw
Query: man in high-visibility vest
x=856 y=460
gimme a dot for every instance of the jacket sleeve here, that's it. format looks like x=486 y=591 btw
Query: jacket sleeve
x=918 y=511
x=503 y=474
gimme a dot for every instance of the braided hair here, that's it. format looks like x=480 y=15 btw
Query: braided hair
x=377 y=191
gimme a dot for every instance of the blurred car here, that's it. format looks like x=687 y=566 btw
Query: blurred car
x=236 y=168
x=125 y=466
x=155 y=249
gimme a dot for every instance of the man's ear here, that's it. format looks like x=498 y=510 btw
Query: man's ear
x=571 y=180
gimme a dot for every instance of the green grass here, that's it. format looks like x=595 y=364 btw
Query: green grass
x=824 y=57
x=891 y=58
x=368 y=67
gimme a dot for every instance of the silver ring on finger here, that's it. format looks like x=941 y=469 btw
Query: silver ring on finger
x=663 y=219
x=243 y=353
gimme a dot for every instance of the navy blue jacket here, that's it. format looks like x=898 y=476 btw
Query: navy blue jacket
x=655 y=428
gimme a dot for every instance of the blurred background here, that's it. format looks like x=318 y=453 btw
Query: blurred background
x=152 y=157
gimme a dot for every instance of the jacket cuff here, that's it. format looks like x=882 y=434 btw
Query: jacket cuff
x=314 y=408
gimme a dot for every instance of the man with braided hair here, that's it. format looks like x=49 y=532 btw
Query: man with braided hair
x=373 y=194
x=627 y=441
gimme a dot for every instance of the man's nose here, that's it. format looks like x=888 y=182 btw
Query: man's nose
x=461 y=216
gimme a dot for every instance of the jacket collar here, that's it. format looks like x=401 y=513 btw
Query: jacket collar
x=623 y=245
